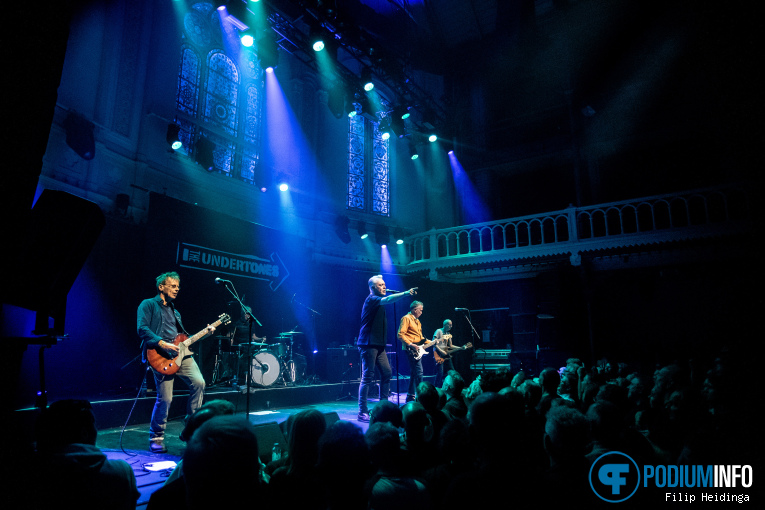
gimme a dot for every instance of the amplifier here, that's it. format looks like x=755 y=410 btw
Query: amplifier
x=491 y=355
x=488 y=367
x=343 y=364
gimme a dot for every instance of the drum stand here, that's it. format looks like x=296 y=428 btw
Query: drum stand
x=289 y=374
x=217 y=366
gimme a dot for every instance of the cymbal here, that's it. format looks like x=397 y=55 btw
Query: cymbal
x=291 y=333
x=253 y=344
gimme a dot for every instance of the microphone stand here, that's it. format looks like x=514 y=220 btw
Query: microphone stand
x=467 y=316
x=395 y=355
x=250 y=318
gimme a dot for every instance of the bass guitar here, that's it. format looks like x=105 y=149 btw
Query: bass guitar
x=440 y=359
x=417 y=350
x=169 y=362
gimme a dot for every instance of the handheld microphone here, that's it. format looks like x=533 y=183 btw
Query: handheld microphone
x=461 y=310
x=218 y=281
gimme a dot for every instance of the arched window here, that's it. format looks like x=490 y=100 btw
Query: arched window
x=368 y=167
x=219 y=97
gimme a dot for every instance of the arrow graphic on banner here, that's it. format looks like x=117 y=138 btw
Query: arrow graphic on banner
x=270 y=269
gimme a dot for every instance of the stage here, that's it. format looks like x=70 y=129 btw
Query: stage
x=269 y=412
x=123 y=425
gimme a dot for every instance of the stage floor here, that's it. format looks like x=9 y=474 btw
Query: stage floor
x=132 y=443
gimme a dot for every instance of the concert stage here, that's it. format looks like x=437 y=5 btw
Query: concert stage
x=269 y=408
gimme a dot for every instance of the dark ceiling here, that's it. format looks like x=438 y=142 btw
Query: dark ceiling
x=666 y=90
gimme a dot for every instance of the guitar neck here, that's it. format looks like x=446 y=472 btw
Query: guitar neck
x=460 y=348
x=190 y=340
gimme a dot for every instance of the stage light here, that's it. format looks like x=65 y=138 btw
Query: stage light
x=399 y=235
x=121 y=203
x=317 y=39
x=336 y=100
x=382 y=237
x=235 y=13
x=341 y=228
x=413 y=152
x=268 y=53
x=79 y=135
x=385 y=128
x=401 y=112
x=366 y=79
x=247 y=37
x=204 y=153
x=172 y=138
x=283 y=186
x=432 y=138
x=362 y=230
x=397 y=125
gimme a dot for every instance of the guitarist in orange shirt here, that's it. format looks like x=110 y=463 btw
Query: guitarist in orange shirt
x=410 y=335
x=159 y=323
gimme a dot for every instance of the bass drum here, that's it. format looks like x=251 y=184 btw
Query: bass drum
x=264 y=369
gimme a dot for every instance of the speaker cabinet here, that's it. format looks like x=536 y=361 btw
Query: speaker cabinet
x=343 y=364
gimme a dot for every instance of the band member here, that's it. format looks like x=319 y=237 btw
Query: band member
x=443 y=339
x=158 y=325
x=410 y=334
x=371 y=342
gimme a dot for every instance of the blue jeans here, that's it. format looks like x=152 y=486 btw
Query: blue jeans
x=189 y=373
x=442 y=369
x=372 y=357
x=415 y=375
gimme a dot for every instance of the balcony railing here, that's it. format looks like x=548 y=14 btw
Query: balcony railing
x=686 y=215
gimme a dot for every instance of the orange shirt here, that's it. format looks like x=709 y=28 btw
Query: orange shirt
x=410 y=329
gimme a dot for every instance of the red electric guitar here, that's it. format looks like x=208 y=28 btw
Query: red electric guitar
x=164 y=364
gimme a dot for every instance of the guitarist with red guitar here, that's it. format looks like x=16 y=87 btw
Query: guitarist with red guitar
x=443 y=350
x=165 y=342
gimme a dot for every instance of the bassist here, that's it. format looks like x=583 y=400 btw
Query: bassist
x=158 y=325
x=442 y=352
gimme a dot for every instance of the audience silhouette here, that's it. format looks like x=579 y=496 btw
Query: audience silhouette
x=509 y=438
x=71 y=470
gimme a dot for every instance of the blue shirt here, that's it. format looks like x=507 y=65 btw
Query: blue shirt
x=374 y=327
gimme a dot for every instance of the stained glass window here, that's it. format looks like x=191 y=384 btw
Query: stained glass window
x=219 y=95
x=356 y=188
x=368 y=168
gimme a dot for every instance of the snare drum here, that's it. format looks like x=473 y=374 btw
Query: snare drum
x=264 y=369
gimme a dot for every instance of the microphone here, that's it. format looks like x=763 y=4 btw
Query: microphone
x=218 y=281
x=461 y=310
x=293 y=298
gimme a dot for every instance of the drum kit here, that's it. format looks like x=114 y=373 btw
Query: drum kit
x=269 y=363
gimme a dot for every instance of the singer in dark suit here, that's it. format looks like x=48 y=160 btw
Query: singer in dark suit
x=371 y=342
